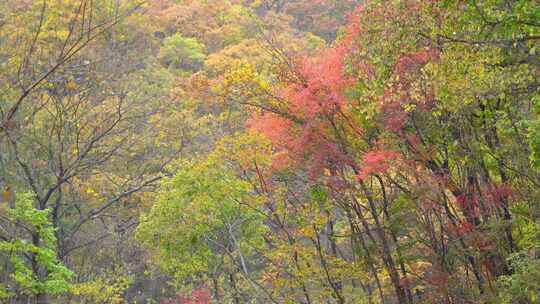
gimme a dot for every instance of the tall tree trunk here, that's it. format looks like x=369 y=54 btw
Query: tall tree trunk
x=401 y=294
x=42 y=298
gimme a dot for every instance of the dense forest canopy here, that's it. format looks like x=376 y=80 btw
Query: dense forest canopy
x=269 y=151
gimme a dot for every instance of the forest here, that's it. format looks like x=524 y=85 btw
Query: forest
x=270 y=151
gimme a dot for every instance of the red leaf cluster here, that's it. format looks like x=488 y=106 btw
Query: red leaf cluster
x=317 y=101
x=375 y=162
x=198 y=296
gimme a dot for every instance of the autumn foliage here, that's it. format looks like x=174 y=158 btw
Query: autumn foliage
x=269 y=151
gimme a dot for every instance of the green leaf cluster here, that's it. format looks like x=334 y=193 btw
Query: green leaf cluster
x=41 y=251
x=181 y=52
x=199 y=218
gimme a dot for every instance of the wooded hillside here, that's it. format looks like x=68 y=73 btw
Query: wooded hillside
x=269 y=151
